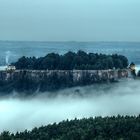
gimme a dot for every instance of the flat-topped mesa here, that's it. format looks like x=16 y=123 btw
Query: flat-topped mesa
x=24 y=80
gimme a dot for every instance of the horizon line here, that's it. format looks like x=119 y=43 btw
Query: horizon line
x=69 y=41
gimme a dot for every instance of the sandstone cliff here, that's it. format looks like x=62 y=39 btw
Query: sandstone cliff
x=31 y=80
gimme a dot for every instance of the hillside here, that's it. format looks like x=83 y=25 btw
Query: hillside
x=108 y=128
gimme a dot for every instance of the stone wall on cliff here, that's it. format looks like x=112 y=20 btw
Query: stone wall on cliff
x=21 y=80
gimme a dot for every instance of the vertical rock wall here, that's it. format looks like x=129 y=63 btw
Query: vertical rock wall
x=56 y=79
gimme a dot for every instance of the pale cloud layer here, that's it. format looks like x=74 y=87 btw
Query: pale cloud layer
x=121 y=98
x=68 y=20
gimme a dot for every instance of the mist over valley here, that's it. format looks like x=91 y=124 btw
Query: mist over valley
x=18 y=114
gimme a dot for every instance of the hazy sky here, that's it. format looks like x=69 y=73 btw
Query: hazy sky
x=70 y=20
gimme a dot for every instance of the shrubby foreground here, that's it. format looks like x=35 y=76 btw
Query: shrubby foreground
x=113 y=128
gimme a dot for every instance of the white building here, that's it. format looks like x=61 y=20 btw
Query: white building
x=7 y=68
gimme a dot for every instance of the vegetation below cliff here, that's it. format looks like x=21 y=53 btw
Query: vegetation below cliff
x=69 y=61
x=113 y=128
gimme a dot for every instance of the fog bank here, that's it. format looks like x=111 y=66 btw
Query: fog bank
x=121 y=98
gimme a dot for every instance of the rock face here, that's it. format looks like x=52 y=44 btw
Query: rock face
x=32 y=80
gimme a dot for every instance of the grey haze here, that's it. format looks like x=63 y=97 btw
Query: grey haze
x=70 y=20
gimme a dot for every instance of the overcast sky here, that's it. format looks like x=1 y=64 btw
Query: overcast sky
x=70 y=20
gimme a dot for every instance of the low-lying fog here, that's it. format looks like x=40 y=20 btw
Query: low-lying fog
x=120 y=98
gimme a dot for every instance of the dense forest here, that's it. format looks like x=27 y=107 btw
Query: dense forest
x=108 y=128
x=71 y=60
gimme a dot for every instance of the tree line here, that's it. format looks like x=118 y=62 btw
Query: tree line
x=98 y=128
x=71 y=60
